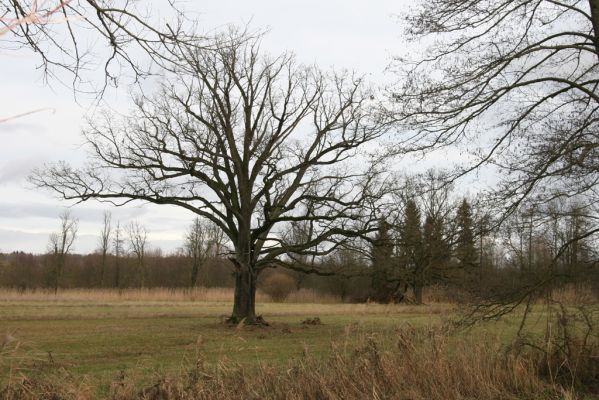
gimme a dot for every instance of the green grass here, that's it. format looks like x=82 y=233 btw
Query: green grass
x=97 y=340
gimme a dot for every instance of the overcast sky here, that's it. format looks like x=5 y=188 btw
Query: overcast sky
x=350 y=34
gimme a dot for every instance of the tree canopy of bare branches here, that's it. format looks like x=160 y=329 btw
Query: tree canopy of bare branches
x=516 y=85
x=62 y=33
x=138 y=240
x=250 y=142
x=60 y=244
x=203 y=239
x=518 y=80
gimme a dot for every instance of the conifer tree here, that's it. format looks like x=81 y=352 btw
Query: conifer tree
x=465 y=249
x=436 y=251
x=410 y=248
x=382 y=257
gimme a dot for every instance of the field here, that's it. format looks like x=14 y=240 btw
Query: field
x=102 y=336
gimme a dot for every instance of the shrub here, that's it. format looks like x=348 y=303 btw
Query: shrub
x=278 y=286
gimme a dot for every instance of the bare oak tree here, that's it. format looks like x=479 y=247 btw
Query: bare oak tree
x=60 y=245
x=249 y=142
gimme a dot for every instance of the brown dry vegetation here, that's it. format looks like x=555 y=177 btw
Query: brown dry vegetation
x=278 y=286
x=202 y=294
x=433 y=294
x=405 y=362
x=131 y=294
x=415 y=364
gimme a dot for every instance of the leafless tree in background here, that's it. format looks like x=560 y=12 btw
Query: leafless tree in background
x=247 y=141
x=300 y=232
x=104 y=244
x=513 y=84
x=203 y=239
x=60 y=244
x=138 y=240
x=118 y=245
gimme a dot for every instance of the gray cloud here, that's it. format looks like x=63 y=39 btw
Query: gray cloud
x=17 y=126
x=17 y=171
x=14 y=240
x=27 y=210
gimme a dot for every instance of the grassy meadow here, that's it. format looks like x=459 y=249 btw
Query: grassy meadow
x=100 y=337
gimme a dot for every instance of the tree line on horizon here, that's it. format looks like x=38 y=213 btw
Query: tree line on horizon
x=429 y=236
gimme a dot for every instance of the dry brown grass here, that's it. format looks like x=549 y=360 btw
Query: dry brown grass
x=575 y=294
x=416 y=364
x=438 y=294
x=433 y=295
x=135 y=294
x=569 y=294
x=311 y=296
x=198 y=294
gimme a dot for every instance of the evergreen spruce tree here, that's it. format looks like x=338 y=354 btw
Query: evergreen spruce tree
x=382 y=257
x=465 y=248
x=410 y=249
x=436 y=252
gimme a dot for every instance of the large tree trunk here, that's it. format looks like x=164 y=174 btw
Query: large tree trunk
x=244 y=306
